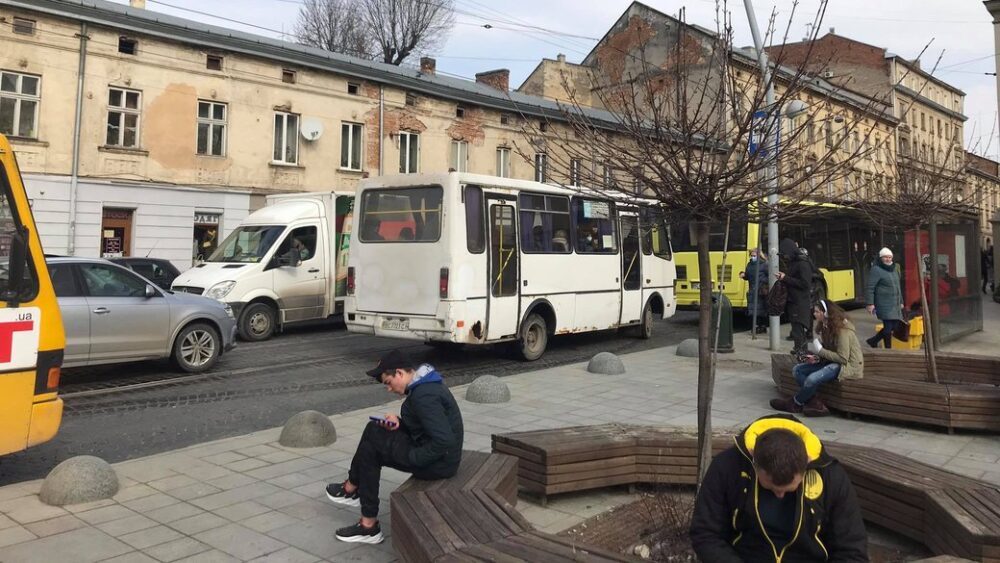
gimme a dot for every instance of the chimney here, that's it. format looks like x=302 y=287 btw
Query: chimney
x=561 y=58
x=499 y=79
x=833 y=31
x=427 y=65
x=138 y=4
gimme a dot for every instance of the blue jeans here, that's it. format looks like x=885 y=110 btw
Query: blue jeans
x=811 y=376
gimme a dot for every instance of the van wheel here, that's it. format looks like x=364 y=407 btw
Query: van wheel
x=645 y=328
x=257 y=322
x=197 y=348
x=534 y=338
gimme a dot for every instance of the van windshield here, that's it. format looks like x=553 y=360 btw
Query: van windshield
x=249 y=243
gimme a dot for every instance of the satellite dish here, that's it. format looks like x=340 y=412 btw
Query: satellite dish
x=311 y=129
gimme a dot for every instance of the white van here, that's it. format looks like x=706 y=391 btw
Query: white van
x=286 y=263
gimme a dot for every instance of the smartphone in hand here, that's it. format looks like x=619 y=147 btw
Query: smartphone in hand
x=383 y=421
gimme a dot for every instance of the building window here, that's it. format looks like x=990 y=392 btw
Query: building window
x=24 y=26
x=286 y=138
x=543 y=126
x=351 y=135
x=127 y=45
x=353 y=88
x=211 y=128
x=411 y=99
x=541 y=167
x=124 y=107
x=938 y=127
x=828 y=132
x=213 y=62
x=459 y=158
x=459 y=112
x=503 y=162
x=607 y=176
x=409 y=152
x=504 y=119
x=923 y=121
x=288 y=76
x=19 y=99
x=574 y=172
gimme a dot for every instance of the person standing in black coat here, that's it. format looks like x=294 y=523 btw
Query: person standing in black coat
x=798 y=280
x=425 y=440
x=777 y=496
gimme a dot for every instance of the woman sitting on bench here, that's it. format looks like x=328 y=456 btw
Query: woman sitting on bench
x=835 y=354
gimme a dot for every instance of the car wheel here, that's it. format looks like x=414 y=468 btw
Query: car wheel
x=534 y=338
x=257 y=322
x=646 y=323
x=197 y=348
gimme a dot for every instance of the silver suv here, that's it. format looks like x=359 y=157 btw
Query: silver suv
x=112 y=315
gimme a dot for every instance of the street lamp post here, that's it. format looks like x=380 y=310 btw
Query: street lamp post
x=774 y=322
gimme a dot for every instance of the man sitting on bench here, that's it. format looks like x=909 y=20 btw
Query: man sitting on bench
x=425 y=440
x=777 y=496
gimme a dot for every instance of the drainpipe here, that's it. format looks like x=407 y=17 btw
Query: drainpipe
x=381 y=125
x=75 y=171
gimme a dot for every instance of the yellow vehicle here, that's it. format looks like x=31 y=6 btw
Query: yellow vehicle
x=841 y=244
x=31 y=330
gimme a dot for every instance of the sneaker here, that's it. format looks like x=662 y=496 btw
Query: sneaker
x=338 y=494
x=359 y=534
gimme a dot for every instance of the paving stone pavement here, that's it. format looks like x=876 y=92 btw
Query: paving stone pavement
x=250 y=499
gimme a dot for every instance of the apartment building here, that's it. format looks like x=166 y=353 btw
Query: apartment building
x=984 y=182
x=143 y=133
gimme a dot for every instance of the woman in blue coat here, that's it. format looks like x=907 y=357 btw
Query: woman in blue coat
x=756 y=276
x=884 y=297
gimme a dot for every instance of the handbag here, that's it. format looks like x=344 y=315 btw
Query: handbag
x=902 y=331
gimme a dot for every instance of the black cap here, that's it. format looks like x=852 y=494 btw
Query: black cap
x=390 y=362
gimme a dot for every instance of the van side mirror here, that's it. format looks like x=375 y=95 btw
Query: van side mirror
x=16 y=264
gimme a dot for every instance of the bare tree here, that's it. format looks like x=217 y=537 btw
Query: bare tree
x=679 y=107
x=335 y=25
x=386 y=30
x=402 y=27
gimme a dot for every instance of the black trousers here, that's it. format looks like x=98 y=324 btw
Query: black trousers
x=885 y=335
x=801 y=333
x=378 y=448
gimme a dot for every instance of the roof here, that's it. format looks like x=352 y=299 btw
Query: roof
x=142 y=21
x=914 y=66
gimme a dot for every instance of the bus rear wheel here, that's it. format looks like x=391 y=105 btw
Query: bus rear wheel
x=534 y=338
x=645 y=328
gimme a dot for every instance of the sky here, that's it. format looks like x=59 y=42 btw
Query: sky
x=522 y=32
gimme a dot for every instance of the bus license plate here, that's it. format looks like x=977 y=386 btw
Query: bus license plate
x=396 y=324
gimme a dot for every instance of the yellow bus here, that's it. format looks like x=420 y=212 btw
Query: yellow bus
x=840 y=242
x=31 y=330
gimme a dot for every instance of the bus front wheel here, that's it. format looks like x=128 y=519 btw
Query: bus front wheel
x=534 y=338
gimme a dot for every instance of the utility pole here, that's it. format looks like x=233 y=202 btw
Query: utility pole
x=774 y=323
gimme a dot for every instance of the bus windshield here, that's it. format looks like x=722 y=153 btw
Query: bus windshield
x=248 y=244
x=680 y=237
x=9 y=228
x=401 y=214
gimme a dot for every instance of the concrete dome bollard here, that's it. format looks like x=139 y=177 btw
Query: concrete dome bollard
x=79 y=479
x=688 y=348
x=487 y=389
x=606 y=363
x=308 y=429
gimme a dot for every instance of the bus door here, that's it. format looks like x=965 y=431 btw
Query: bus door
x=631 y=301
x=504 y=264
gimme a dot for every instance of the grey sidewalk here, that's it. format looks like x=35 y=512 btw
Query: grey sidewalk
x=249 y=499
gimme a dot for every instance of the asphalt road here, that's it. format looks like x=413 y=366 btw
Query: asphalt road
x=260 y=385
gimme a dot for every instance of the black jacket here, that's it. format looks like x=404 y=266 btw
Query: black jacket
x=430 y=417
x=799 y=282
x=726 y=526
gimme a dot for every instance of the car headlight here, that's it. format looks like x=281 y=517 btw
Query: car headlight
x=220 y=290
x=229 y=310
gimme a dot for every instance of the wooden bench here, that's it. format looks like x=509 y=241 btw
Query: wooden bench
x=951 y=514
x=895 y=387
x=471 y=517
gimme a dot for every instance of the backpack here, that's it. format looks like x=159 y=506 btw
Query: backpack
x=777 y=298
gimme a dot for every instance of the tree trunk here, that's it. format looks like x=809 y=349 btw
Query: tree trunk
x=706 y=375
x=928 y=329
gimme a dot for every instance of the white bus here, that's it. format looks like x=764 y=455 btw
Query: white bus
x=472 y=259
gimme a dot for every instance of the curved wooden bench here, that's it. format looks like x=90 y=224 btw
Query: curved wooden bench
x=950 y=513
x=895 y=387
x=471 y=517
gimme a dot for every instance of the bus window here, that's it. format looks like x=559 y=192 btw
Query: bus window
x=681 y=239
x=10 y=234
x=544 y=223
x=475 y=236
x=631 y=270
x=401 y=215
x=594 y=226
x=655 y=233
